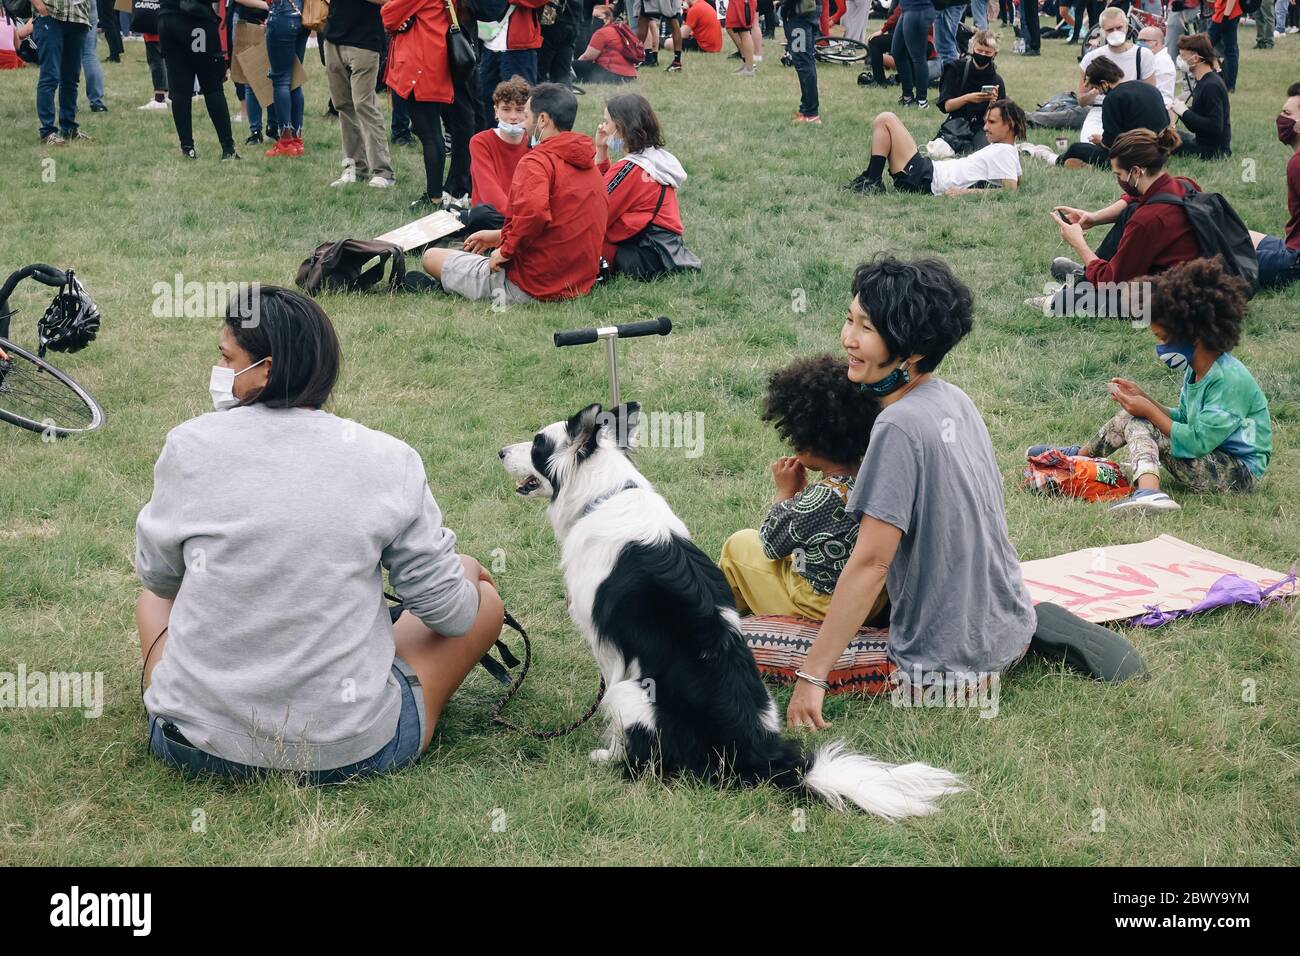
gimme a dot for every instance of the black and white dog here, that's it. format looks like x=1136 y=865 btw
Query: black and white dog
x=684 y=694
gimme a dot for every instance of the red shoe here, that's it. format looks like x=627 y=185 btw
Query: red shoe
x=295 y=146
x=283 y=147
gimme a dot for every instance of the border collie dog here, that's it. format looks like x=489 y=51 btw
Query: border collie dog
x=684 y=696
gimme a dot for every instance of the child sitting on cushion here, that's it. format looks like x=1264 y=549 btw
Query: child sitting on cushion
x=1220 y=437
x=790 y=565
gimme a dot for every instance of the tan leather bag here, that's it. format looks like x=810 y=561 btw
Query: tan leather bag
x=315 y=13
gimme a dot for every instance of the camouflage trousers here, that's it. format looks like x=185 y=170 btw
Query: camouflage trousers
x=1148 y=449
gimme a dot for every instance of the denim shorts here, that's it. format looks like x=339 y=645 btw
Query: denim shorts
x=1278 y=265
x=170 y=745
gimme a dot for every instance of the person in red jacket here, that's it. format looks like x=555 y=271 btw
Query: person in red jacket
x=511 y=50
x=549 y=247
x=1155 y=235
x=641 y=188
x=494 y=154
x=419 y=74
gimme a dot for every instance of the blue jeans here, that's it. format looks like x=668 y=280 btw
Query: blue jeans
x=1224 y=37
x=496 y=67
x=1278 y=265
x=801 y=34
x=90 y=59
x=401 y=125
x=58 y=47
x=911 y=42
x=979 y=9
x=402 y=750
x=945 y=34
x=286 y=41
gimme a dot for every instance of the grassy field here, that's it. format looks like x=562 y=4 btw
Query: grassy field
x=1185 y=771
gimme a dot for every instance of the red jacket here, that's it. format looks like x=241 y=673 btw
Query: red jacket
x=492 y=163
x=525 y=30
x=632 y=202
x=556 y=225
x=417 y=57
x=1156 y=237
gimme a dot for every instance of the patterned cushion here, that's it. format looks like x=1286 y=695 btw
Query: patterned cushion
x=780 y=644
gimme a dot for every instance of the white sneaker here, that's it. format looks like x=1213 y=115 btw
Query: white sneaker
x=379 y=182
x=1146 y=499
x=238 y=118
x=348 y=177
x=153 y=105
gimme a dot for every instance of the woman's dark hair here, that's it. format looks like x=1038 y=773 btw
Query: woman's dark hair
x=557 y=102
x=1013 y=114
x=816 y=409
x=1199 y=43
x=919 y=307
x=1199 y=301
x=1103 y=70
x=1142 y=147
x=633 y=114
x=298 y=336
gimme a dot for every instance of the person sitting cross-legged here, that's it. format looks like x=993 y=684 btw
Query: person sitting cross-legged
x=549 y=247
x=1129 y=104
x=995 y=166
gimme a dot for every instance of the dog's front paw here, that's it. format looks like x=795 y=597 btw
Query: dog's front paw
x=601 y=755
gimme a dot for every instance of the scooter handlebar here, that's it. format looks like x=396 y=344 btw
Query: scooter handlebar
x=660 y=326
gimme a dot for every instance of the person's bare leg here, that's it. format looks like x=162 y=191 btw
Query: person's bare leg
x=151 y=616
x=756 y=37
x=442 y=663
x=746 y=43
x=675 y=29
x=434 y=257
x=890 y=138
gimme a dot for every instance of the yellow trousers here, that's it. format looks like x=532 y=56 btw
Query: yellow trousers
x=762 y=585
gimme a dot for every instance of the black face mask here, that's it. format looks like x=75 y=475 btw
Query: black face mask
x=981 y=62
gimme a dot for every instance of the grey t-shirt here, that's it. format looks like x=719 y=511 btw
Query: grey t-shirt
x=958 y=601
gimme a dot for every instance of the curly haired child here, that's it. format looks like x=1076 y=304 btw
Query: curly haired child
x=1220 y=437
x=791 y=563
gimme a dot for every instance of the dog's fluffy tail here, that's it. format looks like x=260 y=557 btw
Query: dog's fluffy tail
x=893 y=791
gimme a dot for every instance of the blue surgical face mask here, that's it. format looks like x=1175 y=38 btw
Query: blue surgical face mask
x=890 y=383
x=614 y=144
x=513 y=129
x=1177 y=357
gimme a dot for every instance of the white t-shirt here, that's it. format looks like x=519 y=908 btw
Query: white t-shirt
x=1127 y=62
x=1166 y=74
x=995 y=162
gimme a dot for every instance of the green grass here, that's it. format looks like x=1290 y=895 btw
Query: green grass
x=1186 y=772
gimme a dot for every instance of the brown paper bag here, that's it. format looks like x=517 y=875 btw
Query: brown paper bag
x=122 y=6
x=255 y=65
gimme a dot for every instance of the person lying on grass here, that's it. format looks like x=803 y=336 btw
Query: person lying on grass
x=930 y=510
x=264 y=635
x=995 y=166
x=1220 y=437
x=791 y=563
x=549 y=247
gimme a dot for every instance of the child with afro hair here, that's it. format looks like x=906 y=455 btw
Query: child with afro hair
x=791 y=564
x=1219 y=437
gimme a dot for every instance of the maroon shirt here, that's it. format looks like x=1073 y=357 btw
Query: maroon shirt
x=1293 y=202
x=1156 y=236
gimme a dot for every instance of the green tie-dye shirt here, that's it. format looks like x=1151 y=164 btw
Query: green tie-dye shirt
x=1224 y=410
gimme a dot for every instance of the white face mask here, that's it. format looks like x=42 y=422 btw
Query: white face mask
x=1117 y=37
x=513 y=129
x=221 y=385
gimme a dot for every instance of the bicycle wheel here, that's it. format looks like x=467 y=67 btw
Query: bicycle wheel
x=37 y=396
x=839 y=50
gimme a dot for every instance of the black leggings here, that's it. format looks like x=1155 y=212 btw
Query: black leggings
x=461 y=119
x=1089 y=153
x=178 y=35
x=426 y=123
x=1089 y=648
x=877 y=47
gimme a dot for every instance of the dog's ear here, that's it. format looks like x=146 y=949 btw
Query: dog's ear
x=583 y=428
x=623 y=422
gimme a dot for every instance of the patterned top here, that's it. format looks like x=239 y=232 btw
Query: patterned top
x=70 y=11
x=815 y=529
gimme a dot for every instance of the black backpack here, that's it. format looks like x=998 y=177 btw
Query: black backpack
x=1219 y=232
x=341 y=266
x=1218 y=229
x=489 y=11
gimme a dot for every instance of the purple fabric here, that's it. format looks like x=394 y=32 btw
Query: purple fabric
x=1229 y=589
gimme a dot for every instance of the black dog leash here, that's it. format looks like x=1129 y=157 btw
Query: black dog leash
x=518 y=682
x=495 y=668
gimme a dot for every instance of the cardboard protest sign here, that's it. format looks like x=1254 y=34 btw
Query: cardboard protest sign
x=1118 y=583
x=256 y=67
x=247 y=36
x=424 y=231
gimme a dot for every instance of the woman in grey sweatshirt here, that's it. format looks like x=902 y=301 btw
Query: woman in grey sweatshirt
x=266 y=639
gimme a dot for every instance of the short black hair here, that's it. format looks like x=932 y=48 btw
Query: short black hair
x=817 y=409
x=1103 y=70
x=1293 y=90
x=919 y=307
x=1014 y=116
x=557 y=102
x=1199 y=301
x=296 y=333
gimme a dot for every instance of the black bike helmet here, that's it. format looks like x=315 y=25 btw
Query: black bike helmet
x=71 y=321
